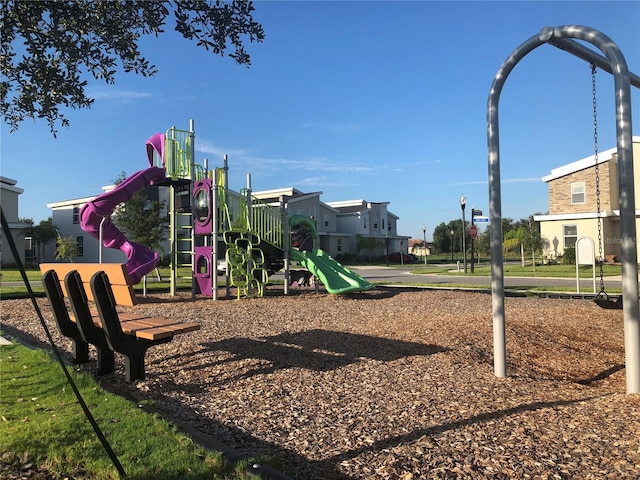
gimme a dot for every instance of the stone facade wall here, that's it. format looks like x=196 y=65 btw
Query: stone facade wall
x=560 y=191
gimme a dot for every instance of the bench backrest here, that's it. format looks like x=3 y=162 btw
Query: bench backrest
x=78 y=301
x=53 y=289
x=106 y=305
x=117 y=273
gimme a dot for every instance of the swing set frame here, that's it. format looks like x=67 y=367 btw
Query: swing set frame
x=614 y=63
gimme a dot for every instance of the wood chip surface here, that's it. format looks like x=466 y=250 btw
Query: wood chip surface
x=391 y=383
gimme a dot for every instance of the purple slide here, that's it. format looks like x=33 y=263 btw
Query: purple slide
x=140 y=259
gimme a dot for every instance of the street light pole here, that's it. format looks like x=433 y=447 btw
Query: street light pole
x=473 y=212
x=424 y=245
x=386 y=249
x=463 y=203
x=451 y=247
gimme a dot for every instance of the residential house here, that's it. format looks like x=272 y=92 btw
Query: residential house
x=9 y=201
x=573 y=204
x=65 y=217
x=419 y=248
x=339 y=224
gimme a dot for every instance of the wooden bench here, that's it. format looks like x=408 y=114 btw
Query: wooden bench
x=128 y=334
x=117 y=273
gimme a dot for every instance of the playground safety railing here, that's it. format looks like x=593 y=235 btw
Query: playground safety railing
x=177 y=154
x=266 y=220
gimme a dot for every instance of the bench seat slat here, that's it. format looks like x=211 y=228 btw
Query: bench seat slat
x=150 y=333
x=148 y=327
x=152 y=329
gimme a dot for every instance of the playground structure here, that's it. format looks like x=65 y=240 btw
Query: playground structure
x=211 y=225
x=614 y=63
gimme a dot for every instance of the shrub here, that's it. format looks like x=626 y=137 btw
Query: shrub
x=568 y=256
x=345 y=257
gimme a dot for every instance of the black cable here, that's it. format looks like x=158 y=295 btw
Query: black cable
x=92 y=421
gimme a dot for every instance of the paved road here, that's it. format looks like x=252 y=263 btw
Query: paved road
x=381 y=274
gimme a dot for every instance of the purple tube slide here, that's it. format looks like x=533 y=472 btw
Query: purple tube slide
x=140 y=259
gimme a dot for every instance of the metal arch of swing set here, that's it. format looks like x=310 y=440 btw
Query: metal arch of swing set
x=614 y=63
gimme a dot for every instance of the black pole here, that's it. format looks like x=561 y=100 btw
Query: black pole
x=473 y=212
x=386 y=249
x=451 y=247
x=464 y=239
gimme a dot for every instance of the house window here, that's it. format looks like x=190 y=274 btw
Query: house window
x=326 y=220
x=80 y=245
x=76 y=214
x=375 y=223
x=570 y=235
x=339 y=244
x=300 y=211
x=383 y=224
x=577 y=193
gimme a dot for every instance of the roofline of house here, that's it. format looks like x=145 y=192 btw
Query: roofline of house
x=11 y=188
x=7 y=180
x=18 y=225
x=70 y=203
x=277 y=192
x=334 y=234
x=9 y=184
x=355 y=203
x=266 y=195
x=579 y=216
x=583 y=163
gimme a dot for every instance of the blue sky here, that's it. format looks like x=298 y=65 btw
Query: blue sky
x=384 y=101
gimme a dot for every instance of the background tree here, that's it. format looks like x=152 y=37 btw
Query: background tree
x=42 y=234
x=64 y=40
x=367 y=243
x=142 y=219
x=444 y=241
x=66 y=248
x=514 y=240
x=532 y=238
x=525 y=236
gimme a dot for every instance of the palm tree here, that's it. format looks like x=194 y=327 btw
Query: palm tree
x=367 y=243
x=514 y=239
x=526 y=236
x=42 y=234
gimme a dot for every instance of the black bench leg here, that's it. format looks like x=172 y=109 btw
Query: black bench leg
x=135 y=355
x=134 y=365
x=80 y=350
x=106 y=361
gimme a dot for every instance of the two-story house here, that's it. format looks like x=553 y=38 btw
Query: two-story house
x=339 y=224
x=573 y=203
x=361 y=218
x=9 y=194
x=65 y=217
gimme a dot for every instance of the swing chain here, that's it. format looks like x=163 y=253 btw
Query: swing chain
x=595 y=156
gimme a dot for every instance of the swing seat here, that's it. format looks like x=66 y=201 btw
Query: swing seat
x=604 y=301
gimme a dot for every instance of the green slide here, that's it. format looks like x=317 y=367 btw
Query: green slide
x=335 y=277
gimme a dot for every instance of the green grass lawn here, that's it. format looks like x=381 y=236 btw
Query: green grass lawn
x=12 y=285
x=184 y=280
x=42 y=422
x=512 y=270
